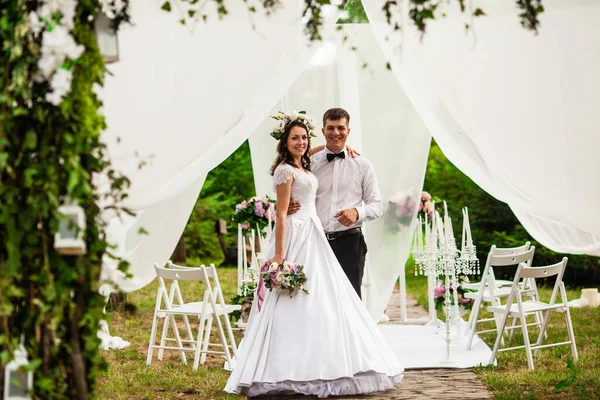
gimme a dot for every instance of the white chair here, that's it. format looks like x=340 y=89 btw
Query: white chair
x=499 y=251
x=516 y=307
x=490 y=292
x=212 y=306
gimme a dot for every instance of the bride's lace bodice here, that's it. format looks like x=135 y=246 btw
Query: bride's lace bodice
x=304 y=187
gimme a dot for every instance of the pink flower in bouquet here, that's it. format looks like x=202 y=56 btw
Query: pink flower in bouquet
x=241 y=206
x=400 y=210
x=428 y=207
x=245 y=226
x=439 y=292
x=271 y=210
x=258 y=209
x=425 y=196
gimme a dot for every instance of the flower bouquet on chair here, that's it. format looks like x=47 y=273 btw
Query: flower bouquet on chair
x=284 y=276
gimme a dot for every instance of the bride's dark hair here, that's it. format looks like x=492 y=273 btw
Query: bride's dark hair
x=284 y=155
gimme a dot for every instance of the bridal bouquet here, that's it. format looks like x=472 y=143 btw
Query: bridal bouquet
x=285 y=276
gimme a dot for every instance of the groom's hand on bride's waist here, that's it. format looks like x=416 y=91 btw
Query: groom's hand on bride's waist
x=347 y=217
x=293 y=207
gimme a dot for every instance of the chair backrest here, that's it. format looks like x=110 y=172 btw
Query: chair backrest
x=213 y=285
x=511 y=259
x=504 y=257
x=179 y=273
x=505 y=251
x=558 y=270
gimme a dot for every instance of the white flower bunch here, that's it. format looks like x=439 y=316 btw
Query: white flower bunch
x=284 y=119
x=54 y=20
x=112 y=7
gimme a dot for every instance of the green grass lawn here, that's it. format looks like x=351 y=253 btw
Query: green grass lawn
x=129 y=377
x=512 y=380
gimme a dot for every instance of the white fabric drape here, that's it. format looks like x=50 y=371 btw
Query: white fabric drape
x=180 y=102
x=384 y=127
x=516 y=112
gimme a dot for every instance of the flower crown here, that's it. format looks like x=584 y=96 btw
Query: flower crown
x=284 y=119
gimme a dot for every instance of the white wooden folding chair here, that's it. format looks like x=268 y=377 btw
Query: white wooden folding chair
x=211 y=306
x=516 y=307
x=491 y=292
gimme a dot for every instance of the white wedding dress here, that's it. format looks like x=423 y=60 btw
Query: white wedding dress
x=324 y=343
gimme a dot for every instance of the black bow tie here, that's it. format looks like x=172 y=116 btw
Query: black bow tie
x=331 y=156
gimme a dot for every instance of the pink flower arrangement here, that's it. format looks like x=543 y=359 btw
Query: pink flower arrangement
x=253 y=212
x=426 y=205
x=439 y=294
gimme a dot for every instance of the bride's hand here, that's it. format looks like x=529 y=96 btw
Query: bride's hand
x=351 y=152
x=277 y=258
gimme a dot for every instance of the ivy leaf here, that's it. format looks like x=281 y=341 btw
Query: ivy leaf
x=478 y=12
x=3 y=159
x=19 y=111
x=191 y=13
x=30 y=141
x=166 y=6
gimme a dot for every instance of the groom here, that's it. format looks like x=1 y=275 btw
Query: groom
x=347 y=196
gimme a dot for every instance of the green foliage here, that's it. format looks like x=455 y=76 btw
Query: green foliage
x=49 y=153
x=493 y=222
x=226 y=185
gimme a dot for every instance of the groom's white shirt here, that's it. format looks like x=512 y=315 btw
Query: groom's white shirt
x=343 y=184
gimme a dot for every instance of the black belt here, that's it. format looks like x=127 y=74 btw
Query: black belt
x=340 y=234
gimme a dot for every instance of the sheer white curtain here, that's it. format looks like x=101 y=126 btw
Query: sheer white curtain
x=516 y=112
x=384 y=127
x=180 y=102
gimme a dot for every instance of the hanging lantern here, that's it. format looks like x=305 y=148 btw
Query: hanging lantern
x=106 y=37
x=18 y=384
x=69 y=238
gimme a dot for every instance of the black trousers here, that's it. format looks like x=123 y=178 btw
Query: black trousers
x=351 y=251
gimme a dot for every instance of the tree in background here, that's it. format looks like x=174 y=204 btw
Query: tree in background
x=225 y=186
x=493 y=222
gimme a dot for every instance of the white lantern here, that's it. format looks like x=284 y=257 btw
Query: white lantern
x=17 y=383
x=69 y=238
x=106 y=37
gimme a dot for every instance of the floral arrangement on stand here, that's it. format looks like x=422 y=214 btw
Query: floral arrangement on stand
x=245 y=300
x=284 y=276
x=439 y=295
x=426 y=206
x=402 y=206
x=399 y=211
x=255 y=212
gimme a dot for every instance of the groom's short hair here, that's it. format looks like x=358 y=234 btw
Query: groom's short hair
x=335 y=114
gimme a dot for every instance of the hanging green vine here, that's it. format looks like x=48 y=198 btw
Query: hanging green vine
x=47 y=153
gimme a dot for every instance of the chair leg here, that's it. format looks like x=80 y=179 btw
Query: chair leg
x=473 y=320
x=206 y=339
x=230 y=334
x=177 y=337
x=571 y=333
x=526 y=340
x=224 y=339
x=512 y=328
x=152 y=339
x=541 y=335
x=499 y=338
x=188 y=329
x=199 y=341
x=163 y=338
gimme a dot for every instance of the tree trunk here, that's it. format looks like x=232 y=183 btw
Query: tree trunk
x=178 y=255
x=80 y=380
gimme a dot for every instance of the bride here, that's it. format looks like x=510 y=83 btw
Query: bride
x=324 y=343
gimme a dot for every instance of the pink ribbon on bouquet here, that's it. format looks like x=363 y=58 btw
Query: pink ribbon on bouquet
x=260 y=290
